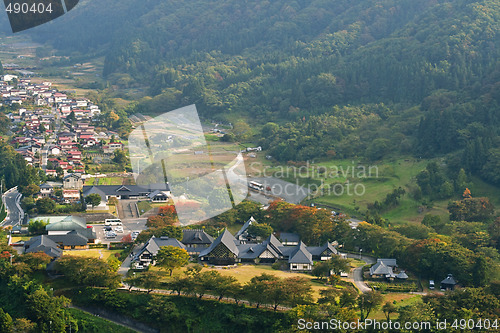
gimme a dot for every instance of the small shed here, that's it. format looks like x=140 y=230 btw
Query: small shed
x=448 y=283
x=402 y=275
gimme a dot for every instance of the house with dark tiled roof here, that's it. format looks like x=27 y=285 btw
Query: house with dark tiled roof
x=300 y=259
x=62 y=225
x=43 y=244
x=226 y=249
x=103 y=205
x=324 y=252
x=146 y=255
x=73 y=181
x=72 y=240
x=289 y=238
x=223 y=250
x=384 y=268
x=380 y=270
x=449 y=283
x=196 y=238
x=159 y=196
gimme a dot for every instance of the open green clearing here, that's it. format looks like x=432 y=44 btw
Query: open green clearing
x=105 y=181
x=358 y=184
x=144 y=206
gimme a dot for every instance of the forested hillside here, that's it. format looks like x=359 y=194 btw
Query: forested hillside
x=363 y=78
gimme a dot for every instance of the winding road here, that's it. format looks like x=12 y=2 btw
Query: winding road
x=356 y=275
x=15 y=214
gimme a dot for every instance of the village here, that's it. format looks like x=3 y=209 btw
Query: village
x=58 y=134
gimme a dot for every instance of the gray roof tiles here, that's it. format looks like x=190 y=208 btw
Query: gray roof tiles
x=196 y=236
x=225 y=238
x=43 y=244
x=380 y=269
x=300 y=255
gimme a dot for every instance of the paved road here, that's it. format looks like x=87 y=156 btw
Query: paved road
x=128 y=209
x=15 y=214
x=51 y=140
x=357 y=274
x=289 y=192
x=125 y=266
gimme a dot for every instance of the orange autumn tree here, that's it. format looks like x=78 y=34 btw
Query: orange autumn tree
x=314 y=225
x=467 y=193
x=166 y=216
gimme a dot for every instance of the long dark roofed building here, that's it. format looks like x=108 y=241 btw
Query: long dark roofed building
x=128 y=191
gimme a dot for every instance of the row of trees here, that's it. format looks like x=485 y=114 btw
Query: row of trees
x=264 y=289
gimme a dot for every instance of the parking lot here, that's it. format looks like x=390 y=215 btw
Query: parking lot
x=129 y=226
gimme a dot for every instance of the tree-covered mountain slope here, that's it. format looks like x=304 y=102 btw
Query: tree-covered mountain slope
x=353 y=78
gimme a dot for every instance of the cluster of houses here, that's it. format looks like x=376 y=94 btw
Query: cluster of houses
x=16 y=91
x=228 y=249
x=61 y=233
x=38 y=123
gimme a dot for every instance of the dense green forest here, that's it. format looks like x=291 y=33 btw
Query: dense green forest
x=339 y=78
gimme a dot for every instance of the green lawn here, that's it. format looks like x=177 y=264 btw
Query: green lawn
x=90 y=181
x=104 y=181
x=94 y=253
x=244 y=273
x=373 y=183
x=479 y=188
x=360 y=184
x=144 y=206
x=402 y=299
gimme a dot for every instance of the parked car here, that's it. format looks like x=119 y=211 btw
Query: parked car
x=108 y=228
x=135 y=234
x=119 y=229
x=431 y=284
x=110 y=234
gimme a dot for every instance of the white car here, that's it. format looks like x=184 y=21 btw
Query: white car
x=110 y=234
x=119 y=229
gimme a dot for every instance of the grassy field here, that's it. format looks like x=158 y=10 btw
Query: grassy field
x=144 y=206
x=92 y=253
x=402 y=299
x=244 y=273
x=105 y=181
x=358 y=184
x=16 y=239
